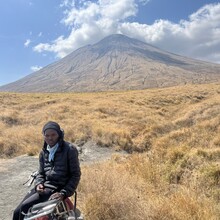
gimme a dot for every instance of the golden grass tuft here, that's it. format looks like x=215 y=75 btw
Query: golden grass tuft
x=134 y=188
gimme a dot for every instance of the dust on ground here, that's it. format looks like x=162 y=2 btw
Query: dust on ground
x=15 y=172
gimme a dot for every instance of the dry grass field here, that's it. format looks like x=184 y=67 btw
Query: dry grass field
x=172 y=135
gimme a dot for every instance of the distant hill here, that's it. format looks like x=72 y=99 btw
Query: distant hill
x=116 y=63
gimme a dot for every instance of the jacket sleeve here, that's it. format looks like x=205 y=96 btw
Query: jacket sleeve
x=41 y=175
x=74 y=172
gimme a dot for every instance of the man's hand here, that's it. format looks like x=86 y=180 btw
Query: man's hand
x=40 y=188
x=57 y=195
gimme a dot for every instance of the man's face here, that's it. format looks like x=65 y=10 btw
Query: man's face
x=51 y=137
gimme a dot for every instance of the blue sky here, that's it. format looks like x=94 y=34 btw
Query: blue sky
x=34 y=33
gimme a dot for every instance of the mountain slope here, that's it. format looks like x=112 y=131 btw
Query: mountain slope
x=116 y=63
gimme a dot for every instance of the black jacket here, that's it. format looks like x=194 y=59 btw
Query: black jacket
x=63 y=172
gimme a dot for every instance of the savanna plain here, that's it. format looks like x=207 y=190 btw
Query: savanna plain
x=172 y=136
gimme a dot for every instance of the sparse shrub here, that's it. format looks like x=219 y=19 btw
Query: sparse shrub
x=31 y=153
x=113 y=138
x=175 y=155
x=185 y=123
x=142 y=146
x=163 y=129
x=209 y=155
x=10 y=118
x=11 y=150
x=203 y=153
x=209 y=181
x=108 y=111
x=212 y=175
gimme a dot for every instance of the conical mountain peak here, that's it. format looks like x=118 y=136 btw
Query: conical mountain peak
x=117 y=62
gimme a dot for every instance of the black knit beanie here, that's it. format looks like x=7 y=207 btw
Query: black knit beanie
x=52 y=125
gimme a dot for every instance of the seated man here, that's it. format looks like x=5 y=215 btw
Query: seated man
x=58 y=166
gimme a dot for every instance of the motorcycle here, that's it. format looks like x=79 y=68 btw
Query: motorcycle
x=54 y=209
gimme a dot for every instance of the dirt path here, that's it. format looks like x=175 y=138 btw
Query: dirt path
x=14 y=172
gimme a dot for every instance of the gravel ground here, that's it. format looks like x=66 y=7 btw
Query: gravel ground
x=14 y=172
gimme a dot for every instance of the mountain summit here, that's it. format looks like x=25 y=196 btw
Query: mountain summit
x=116 y=63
